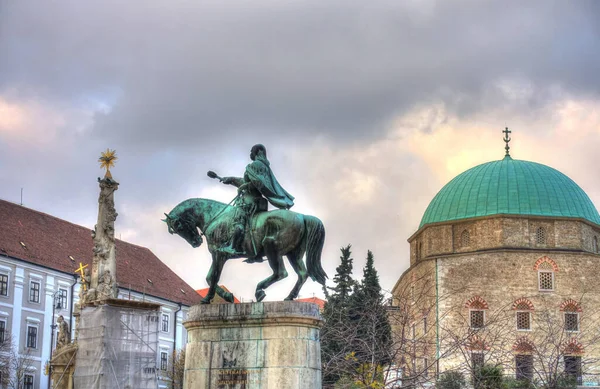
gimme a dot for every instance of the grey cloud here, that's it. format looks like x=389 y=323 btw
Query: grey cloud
x=197 y=73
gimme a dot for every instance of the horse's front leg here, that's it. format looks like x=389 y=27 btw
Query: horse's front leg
x=213 y=276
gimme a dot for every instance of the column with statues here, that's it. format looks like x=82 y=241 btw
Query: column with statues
x=102 y=282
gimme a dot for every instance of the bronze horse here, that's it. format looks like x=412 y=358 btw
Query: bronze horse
x=274 y=234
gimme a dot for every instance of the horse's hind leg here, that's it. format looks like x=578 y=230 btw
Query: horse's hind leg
x=276 y=263
x=300 y=269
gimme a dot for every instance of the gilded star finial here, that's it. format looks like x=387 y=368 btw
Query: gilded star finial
x=107 y=160
x=506 y=139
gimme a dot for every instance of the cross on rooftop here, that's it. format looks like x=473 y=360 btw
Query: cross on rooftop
x=506 y=139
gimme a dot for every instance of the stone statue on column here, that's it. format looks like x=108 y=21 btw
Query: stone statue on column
x=102 y=282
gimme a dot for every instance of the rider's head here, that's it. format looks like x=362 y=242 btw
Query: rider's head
x=258 y=150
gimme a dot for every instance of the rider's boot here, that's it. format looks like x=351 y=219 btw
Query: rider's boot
x=235 y=248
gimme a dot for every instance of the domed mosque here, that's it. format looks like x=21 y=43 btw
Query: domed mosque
x=503 y=272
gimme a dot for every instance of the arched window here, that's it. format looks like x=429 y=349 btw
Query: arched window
x=465 y=239
x=540 y=235
x=523 y=308
x=546 y=269
x=477 y=307
x=571 y=310
x=523 y=349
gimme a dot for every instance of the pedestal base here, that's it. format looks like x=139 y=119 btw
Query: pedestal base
x=117 y=345
x=269 y=345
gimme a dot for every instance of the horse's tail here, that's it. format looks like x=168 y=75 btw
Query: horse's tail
x=314 y=238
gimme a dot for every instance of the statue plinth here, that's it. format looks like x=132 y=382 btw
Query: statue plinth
x=267 y=345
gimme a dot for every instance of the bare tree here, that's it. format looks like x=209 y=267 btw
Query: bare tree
x=176 y=369
x=14 y=366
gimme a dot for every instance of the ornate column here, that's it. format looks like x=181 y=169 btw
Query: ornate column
x=103 y=283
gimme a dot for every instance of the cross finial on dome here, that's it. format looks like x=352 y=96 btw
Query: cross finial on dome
x=506 y=139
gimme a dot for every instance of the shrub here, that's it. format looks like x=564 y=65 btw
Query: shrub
x=451 y=380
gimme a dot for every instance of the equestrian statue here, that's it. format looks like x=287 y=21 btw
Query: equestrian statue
x=245 y=228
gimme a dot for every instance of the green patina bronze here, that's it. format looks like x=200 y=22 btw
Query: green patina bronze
x=511 y=187
x=245 y=228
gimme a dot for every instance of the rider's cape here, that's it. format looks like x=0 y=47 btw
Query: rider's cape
x=261 y=176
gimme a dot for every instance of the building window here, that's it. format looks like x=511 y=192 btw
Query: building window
x=476 y=360
x=546 y=280
x=573 y=368
x=595 y=244
x=163 y=360
x=63 y=298
x=34 y=292
x=2 y=333
x=524 y=367
x=32 y=337
x=165 y=323
x=571 y=321
x=540 y=235
x=3 y=285
x=477 y=319
x=424 y=325
x=523 y=321
x=425 y=368
x=28 y=381
x=465 y=239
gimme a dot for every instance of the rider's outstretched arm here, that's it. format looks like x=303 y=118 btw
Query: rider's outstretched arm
x=235 y=181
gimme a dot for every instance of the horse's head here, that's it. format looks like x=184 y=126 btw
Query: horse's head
x=184 y=226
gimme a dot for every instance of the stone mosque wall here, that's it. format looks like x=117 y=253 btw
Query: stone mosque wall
x=490 y=233
x=495 y=266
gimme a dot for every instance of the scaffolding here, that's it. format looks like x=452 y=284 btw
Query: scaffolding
x=117 y=347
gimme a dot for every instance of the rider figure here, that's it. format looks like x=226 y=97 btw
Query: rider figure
x=256 y=187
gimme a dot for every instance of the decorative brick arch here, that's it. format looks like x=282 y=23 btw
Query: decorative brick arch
x=476 y=302
x=573 y=347
x=570 y=305
x=544 y=260
x=523 y=345
x=522 y=304
x=477 y=344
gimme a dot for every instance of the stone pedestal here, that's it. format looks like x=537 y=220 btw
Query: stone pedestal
x=62 y=367
x=268 y=345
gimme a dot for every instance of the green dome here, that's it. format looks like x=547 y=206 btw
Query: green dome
x=510 y=187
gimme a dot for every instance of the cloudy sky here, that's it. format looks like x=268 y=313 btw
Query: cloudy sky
x=366 y=108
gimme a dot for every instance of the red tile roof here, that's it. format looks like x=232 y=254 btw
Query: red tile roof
x=315 y=300
x=49 y=241
x=218 y=299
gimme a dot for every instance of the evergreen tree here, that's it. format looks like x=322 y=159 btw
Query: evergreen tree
x=334 y=345
x=369 y=315
x=343 y=276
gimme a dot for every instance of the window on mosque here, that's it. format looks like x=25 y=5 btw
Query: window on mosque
x=571 y=321
x=477 y=319
x=523 y=321
x=465 y=239
x=524 y=367
x=34 y=292
x=546 y=280
x=540 y=235
x=476 y=360
x=573 y=368
x=3 y=285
